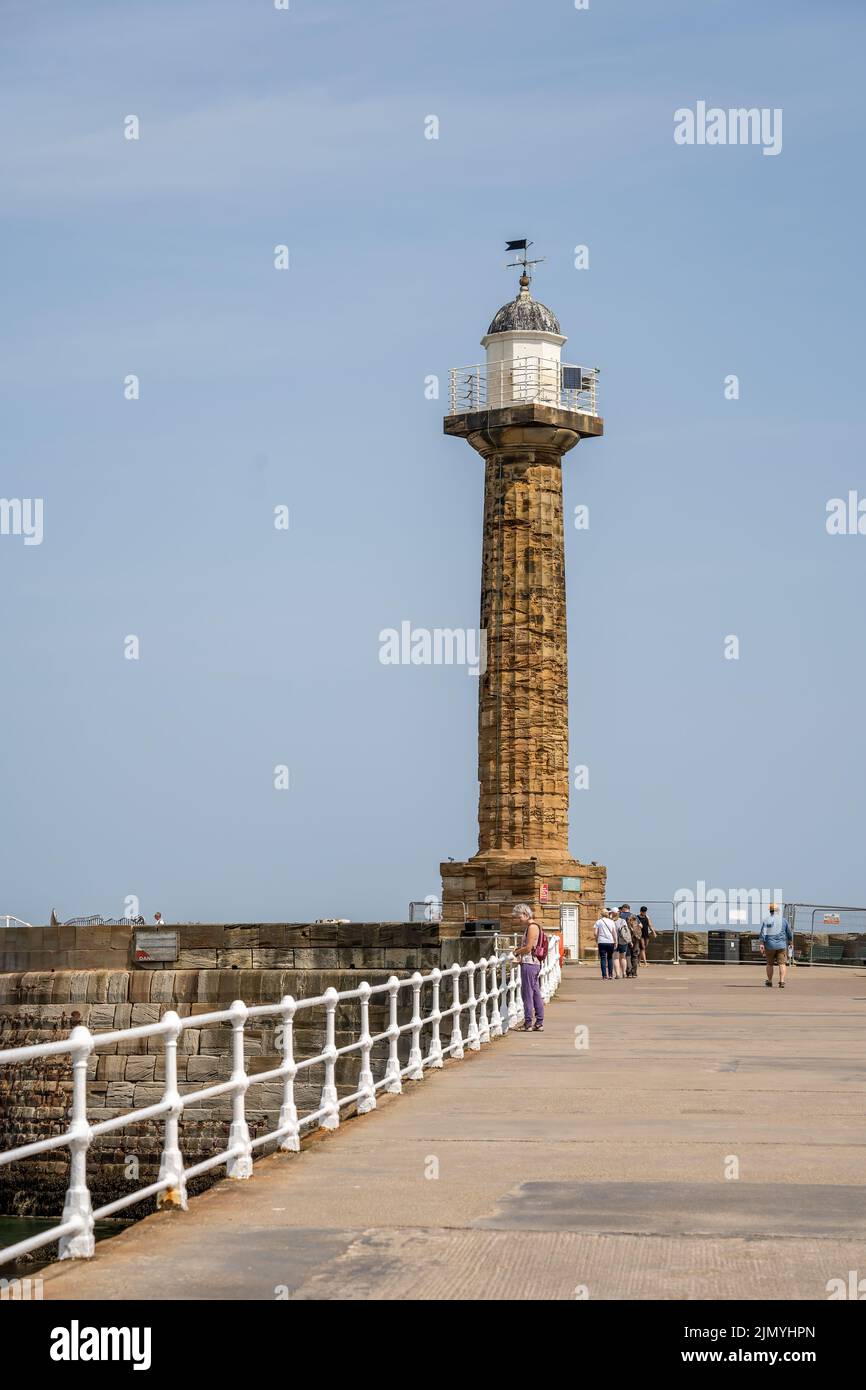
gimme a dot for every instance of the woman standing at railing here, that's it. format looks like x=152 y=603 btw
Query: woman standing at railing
x=530 y=969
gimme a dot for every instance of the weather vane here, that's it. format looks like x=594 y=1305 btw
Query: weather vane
x=523 y=246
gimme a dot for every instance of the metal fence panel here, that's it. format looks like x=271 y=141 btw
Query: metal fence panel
x=828 y=935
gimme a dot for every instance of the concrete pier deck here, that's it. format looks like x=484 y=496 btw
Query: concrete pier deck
x=563 y=1172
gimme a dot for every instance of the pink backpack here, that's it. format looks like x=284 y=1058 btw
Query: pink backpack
x=539 y=950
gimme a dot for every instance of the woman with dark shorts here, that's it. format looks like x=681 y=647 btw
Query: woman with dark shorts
x=623 y=943
x=646 y=927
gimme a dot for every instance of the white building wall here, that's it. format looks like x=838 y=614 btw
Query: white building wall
x=522 y=366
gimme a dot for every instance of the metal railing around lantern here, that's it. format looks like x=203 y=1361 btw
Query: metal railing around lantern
x=524 y=381
x=492 y=1005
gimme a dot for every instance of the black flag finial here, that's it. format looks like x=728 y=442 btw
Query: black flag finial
x=524 y=261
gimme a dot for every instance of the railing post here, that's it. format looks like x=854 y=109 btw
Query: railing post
x=503 y=994
x=366 y=1084
x=330 y=1100
x=416 y=1061
x=495 y=1015
x=434 y=1052
x=544 y=982
x=514 y=992
x=473 y=1041
x=395 y=1084
x=240 y=1165
x=483 y=1024
x=518 y=993
x=171 y=1162
x=81 y=1245
x=456 y=1048
x=291 y=1140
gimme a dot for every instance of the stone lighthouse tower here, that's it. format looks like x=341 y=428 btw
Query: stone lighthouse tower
x=523 y=410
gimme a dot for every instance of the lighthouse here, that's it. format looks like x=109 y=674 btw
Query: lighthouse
x=523 y=409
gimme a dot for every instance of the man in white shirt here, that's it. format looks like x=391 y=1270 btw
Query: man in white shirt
x=605 y=935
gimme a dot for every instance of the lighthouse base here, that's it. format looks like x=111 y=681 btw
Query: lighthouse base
x=484 y=890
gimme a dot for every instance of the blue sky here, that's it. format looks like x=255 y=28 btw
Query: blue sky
x=154 y=777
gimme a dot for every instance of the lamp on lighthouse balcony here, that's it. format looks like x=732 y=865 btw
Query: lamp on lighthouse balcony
x=523 y=363
x=523 y=345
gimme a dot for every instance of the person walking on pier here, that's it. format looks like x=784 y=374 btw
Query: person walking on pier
x=646 y=931
x=634 y=950
x=605 y=936
x=530 y=969
x=775 y=938
x=623 y=943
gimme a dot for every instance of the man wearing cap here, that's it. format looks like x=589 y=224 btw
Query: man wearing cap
x=775 y=938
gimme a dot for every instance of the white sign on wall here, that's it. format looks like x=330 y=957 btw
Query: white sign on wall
x=155 y=946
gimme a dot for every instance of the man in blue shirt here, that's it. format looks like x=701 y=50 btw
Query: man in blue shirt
x=776 y=937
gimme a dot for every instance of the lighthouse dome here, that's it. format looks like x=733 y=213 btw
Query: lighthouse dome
x=524 y=313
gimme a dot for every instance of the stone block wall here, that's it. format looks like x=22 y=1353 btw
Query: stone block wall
x=216 y=965
x=212 y=946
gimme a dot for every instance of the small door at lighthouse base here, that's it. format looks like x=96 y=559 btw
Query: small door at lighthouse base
x=568 y=925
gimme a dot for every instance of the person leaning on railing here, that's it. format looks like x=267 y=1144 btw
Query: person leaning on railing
x=530 y=969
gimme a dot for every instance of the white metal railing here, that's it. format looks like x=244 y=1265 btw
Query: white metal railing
x=430 y=910
x=492 y=1009
x=7 y=921
x=524 y=381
